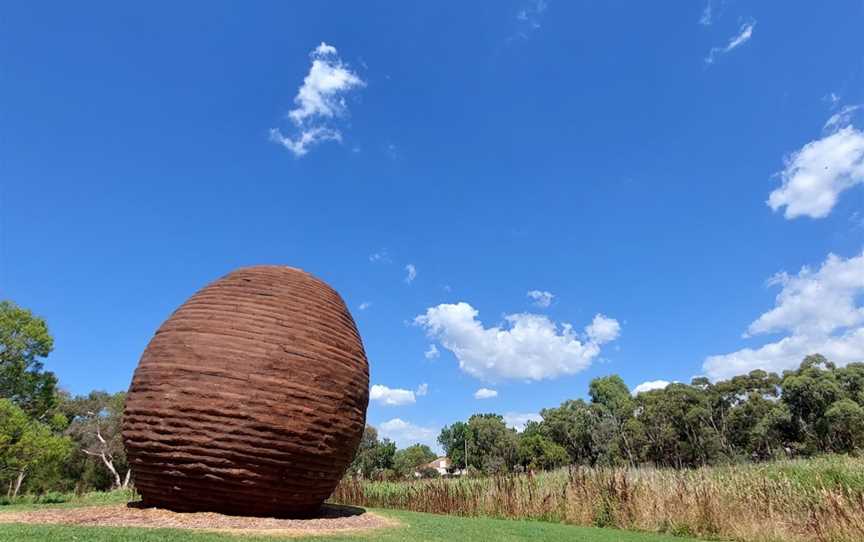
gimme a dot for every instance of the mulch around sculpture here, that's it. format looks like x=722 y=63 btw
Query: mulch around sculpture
x=333 y=519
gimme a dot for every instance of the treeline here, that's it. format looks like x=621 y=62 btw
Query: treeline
x=817 y=408
x=50 y=440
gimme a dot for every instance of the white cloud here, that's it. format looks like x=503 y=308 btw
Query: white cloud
x=411 y=273
x=405 y=434
x=819 y=311
x=365 y=305
x=841 y=118
x=518 y=420
x=391 y=396
x=485 y=393
x=541 y=298
x=320 y=99
x=531 y=346
x=603 y=330
x=743 y=36
x=422 y=389
x=815 y=175
x=432 y=352
x=650 y=385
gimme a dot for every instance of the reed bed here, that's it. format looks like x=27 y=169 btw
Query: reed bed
x=818 y=500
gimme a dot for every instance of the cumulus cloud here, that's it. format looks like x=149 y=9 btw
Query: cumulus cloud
x=529 y=346
x=650 y=385
x=320 y=100
x=743 y=36
x=405 y=434
x=432 y=352
x=816 y=174
x=422 y=389
x=485 y=393
x=819 y=311
x=518 y=420
x=603 y=330
x=541 y=298
x=410 y=273
x=391 y=396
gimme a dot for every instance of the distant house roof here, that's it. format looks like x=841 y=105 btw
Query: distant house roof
x=440 y=463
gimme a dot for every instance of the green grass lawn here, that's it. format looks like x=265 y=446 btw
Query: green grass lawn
x=414 y=527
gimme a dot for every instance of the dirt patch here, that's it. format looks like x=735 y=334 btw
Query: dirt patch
x=333 y=519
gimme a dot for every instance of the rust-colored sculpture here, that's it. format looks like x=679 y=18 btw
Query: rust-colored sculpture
x=250 y=399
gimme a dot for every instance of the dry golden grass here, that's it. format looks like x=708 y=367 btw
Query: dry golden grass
x=818 y=500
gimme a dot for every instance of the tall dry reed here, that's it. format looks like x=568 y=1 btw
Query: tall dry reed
x=784 y=502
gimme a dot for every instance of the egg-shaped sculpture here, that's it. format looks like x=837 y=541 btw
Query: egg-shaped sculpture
x=250 y=399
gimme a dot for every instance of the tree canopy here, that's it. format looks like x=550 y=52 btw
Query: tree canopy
x=24 y=342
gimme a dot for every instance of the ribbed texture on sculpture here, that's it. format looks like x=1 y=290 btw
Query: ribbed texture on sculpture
x=250 y=399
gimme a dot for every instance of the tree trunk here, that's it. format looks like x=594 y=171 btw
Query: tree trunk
x=128 y=477
x=110 y=464
x=18 y=481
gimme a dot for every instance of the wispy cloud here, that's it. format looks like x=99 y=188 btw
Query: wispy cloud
x=432 y=352
x=540 y=298
x=365 y=305
x=832 y=99
x=422 y=390
x=411 y=273
x=528 y=18
x=743 y=36
x=841 y=118
x=320 y=100
x=380 y=257
x=707 y=14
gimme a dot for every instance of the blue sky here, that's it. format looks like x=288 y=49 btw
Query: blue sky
x=689 y=171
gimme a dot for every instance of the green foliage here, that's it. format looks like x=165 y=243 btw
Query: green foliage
x=817 y=408
x=374 y=458
x=94 y=426
x=489 y=444
x=572 y=426
x=537 y=452
x=58 y=499
x=455 y=439
x=24 y=341
x=407 y=460
x=845 y=421
x=29 y=451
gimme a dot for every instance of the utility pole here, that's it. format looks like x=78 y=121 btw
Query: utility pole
x=465 y=439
